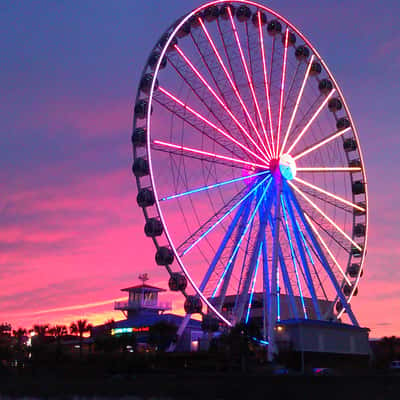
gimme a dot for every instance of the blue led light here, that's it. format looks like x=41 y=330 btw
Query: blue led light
x=305 y=244
x=241 y=239
x=224 y=216
x=254 y=284
x=260 y=341
x=293 y=257
x=215 y=185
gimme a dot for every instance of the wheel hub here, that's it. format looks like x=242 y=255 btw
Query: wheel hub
x=284 y=166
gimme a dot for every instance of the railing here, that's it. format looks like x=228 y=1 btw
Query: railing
x=135 y=305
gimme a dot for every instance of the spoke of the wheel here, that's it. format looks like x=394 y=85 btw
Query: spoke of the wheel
x=322 y=241
x=323 y=259
x=207 y=153
x=249 y=79
x=239 y=309
x=333 y=223
x=345 y=246
x=334 y=196
x=196 y=124
x=219 y=100
x=296 y=106
x=209 y=123
x=224 y=242
x=177 y=152
x=288 y=284
x=203 y=99
x=321 y=143
x=328 y=169
x=215 y=185
x=253 y=284
x=215 y=224
x=311 y=259
x=266 y=81
x=242 y=237
x=239 y=233
x=312 y=119
x=303 y=257
x=272 y=62
x=232 y=83
x=243 y=289
x=275 y=289
x=244 y=261
x=282 y=92
x=289 y=236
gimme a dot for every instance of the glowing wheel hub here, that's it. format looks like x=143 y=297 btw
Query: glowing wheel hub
x=285 y=166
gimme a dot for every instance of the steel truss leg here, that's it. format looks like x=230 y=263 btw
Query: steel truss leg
x=302 y=255
x=274 y=293
x=285 y=276
x=266 y=287
x=211 y=269
x=243 y=296
x=322 y=257
x=241 y=228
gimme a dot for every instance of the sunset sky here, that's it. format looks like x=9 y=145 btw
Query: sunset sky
x=71 y=234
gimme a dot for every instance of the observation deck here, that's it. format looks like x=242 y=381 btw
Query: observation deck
x=142 y=298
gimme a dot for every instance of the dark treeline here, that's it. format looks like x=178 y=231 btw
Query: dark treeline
x=80 y=343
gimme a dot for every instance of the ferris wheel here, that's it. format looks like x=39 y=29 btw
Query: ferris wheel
x=249 y=169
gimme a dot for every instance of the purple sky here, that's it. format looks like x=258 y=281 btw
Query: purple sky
x=70 y=231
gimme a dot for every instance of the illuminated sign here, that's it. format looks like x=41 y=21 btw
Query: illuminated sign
x=119 y=331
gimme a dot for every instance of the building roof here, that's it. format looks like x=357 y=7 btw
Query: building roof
x=141 y=287
x=327 y=324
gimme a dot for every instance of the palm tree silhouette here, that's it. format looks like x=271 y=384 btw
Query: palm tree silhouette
x=19 y=334
x=58 y=331
x=80 y=327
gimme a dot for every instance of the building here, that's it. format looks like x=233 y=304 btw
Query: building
x=323 y=343
x=142 y=309
x=308 y=341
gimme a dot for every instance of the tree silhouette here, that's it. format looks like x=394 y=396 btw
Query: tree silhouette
x=162 y=334
x=41 y=330
x=58 y=331
x=80 y=327
x=19 y=334
x=5 y=329
x=391 y=345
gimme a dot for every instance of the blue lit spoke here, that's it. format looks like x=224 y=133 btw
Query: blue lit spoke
x=215 y=185
x=253 y=285
x=311 y=259
x=322 y=257
x=278 y=289
x=224 y=216
x=241 y=238
x=305 y=244
x=264 y=342
x=303 y=257
x=293 y=257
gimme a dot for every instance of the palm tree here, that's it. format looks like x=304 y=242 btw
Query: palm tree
x=390 y=345
x=38 y=340
x=41 y=330
x=109 y=325
x=5 y=329
x=58 y=331
x=80 y=327
x=19 y=334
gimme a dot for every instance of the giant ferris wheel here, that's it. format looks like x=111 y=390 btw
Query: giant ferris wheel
x=249 y=169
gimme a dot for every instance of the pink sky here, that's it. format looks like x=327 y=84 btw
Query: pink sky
x=71 y=234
